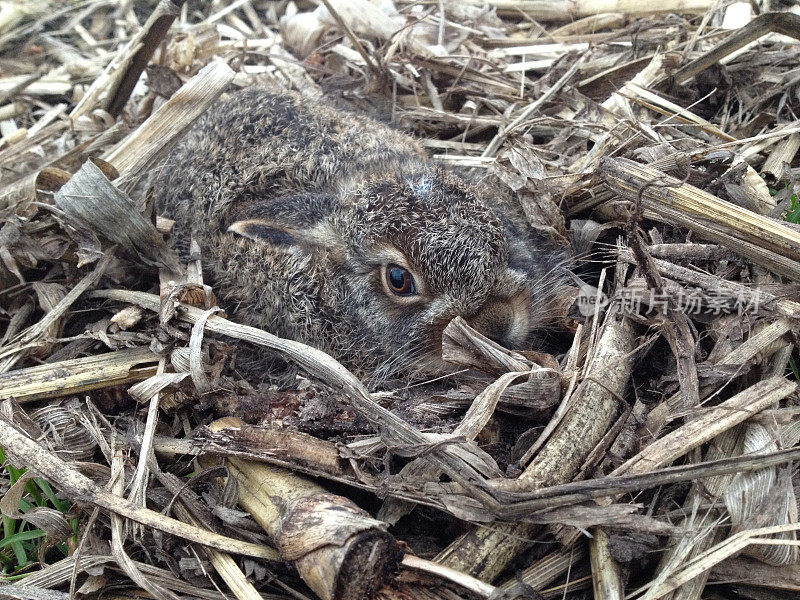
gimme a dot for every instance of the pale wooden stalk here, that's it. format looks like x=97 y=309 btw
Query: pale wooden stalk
x=462 y=345
x=9 y=111
x=654 y=101
x=55 y=83
x=91 y=201
x=751 y=572
x=590 y=24
x=78 y=375
x=22 y=192
x=538 y=51
x=758 y=342
x=121 y=528
x=605 y=570
x=727 y=548
x=616 y=108
x=485 y=551
x=471 y=162
x=783 y=152
x=138 y=487
x=112 y=88
x=780 y=22
x=593 y=407
x=419 y=471
x=782 y=307
x=548 y=568
x=154 y=139
x=689 y=251
x=504 y=131
x=60 y=573
x=284 y=446
x=458 y=146
x=338 y=549
x=765 y=241
x=708 y=425
x=475 y=586
x=223 y=563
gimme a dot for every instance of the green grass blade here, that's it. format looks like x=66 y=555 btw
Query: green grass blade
x=22 y=536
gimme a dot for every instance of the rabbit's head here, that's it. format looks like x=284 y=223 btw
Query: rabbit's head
x=400 y=255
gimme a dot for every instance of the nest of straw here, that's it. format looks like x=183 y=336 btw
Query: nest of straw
x=649 y=454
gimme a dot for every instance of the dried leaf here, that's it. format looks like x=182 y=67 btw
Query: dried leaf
x=92 y=201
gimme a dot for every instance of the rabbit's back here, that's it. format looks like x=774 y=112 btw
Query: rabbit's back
x=335 y=230
x=256 y=142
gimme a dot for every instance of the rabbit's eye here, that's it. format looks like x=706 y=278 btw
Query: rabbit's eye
x=400 y=281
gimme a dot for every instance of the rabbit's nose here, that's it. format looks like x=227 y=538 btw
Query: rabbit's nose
x=504 y=321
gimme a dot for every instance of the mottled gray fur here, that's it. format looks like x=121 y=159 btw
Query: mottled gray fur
x=323 y=201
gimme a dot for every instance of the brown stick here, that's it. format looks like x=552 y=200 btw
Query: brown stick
x=339 y=550
x=783 y=22
x=124 y=70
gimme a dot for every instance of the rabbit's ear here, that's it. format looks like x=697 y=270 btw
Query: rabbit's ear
x=263 y=230
x=301 y=220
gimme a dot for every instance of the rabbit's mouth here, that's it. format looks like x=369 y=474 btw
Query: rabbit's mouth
x=506 y=321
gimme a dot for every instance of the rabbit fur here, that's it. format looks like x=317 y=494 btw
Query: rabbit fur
x=304 y=213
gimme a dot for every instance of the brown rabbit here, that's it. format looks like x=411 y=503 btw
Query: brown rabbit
x=337 y=231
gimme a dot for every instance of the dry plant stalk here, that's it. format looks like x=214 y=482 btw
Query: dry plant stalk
x=78 y=375
x=694 y=537
x=224 y=564
x=785 y=23
x=555 y=10
x=605 y=571
x=283 y=447
x=339 y=550
x=547 y=569
x=518 y=98
x=781 y=155
x=485 y=551
x=61 y=572
x=418 y=472
x=709 y=424
x=757 y=574
x=765 y=241
x=89 y=200
x=24 y=451
x=112 y=89
x=154 y=139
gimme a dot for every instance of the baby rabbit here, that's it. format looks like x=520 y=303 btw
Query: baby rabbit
x=337 y=231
